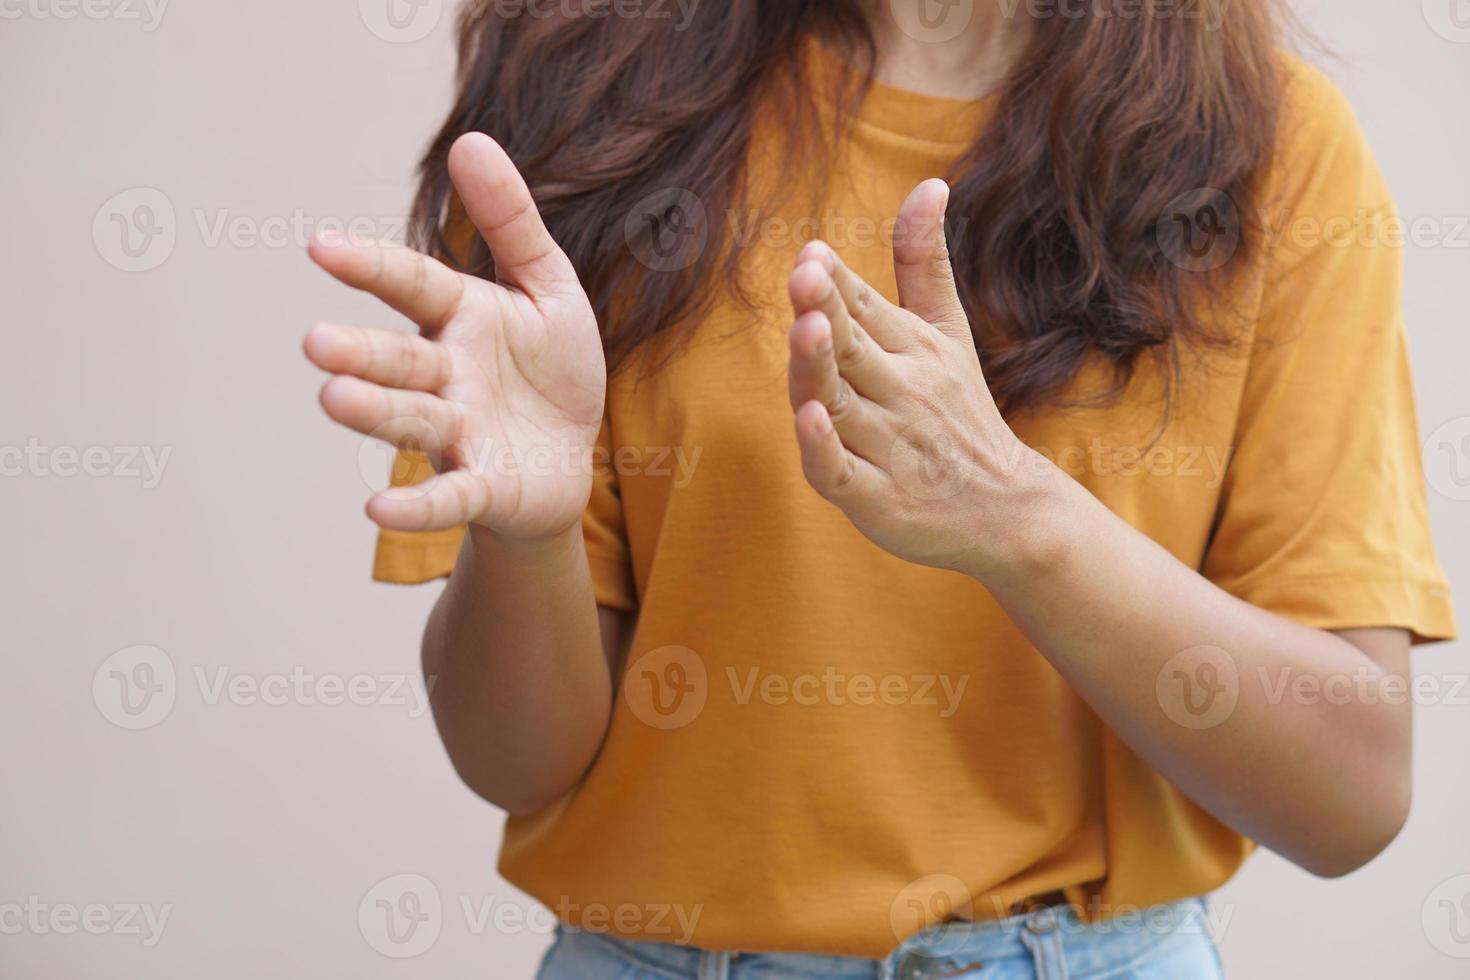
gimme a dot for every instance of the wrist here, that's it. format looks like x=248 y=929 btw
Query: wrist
x=1037 y=530
x=495 y=546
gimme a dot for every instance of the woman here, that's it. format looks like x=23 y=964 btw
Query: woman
x=960 y=594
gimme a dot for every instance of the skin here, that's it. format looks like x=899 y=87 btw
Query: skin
x=517 y=643
x=967 y=66
x=523 y=657
x=880 y=390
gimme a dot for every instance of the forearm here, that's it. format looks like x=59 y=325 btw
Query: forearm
x=521 y=687
x=1323 y=780
x=896 y=426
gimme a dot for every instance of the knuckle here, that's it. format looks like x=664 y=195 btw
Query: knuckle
x=841 y=404
x=418 y=277
x=929 y=401
x=846 y=474
x=830 y=477
x=926 y=340
x=461 y=496
x=461 y=290
x=521 y=213
x=430 y=514
x=365 y=354
x=442 y=366
x=411 y=361
x=855 y=351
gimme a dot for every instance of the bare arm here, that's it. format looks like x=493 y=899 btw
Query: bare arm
x=521 y=656
x=1291 y=735
x=504 y=390
x=885 y=392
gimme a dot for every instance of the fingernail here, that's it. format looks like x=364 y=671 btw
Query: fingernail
x=819 y=252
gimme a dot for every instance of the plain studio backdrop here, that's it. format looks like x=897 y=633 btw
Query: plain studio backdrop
x=181 y=522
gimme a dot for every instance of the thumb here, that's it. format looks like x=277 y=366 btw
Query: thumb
x=499 y=203
x=926 y=283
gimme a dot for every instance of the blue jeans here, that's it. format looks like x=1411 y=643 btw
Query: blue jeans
x=1169 y=942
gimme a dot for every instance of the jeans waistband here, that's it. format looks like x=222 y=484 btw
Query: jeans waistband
x=1044 y=936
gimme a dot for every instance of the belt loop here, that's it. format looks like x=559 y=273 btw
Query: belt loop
x=1042 y=935
x=714 y=965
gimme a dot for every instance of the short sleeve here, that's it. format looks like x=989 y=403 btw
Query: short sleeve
x=413 y=558
x=1323 y=516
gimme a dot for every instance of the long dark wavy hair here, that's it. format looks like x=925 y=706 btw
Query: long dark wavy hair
x=1102 y=125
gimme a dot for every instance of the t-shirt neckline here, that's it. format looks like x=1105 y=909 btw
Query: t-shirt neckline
x=903 y=112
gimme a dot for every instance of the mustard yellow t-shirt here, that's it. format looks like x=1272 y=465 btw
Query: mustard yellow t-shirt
x=817 y=746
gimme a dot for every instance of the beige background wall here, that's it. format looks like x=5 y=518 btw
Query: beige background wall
x=253 y=802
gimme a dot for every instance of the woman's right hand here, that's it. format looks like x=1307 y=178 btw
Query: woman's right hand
x=503 y=388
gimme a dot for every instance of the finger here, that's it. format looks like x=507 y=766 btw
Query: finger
x=813 y=376
x=830 y=467
x=423 y=289
x=440 y=502
x=861 y=361
x=409 y=420
x=867 y=307
x=499 y=203
x=926 y=283
x=385 y=357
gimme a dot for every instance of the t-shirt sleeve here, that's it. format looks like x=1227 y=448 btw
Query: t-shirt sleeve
x=1323 y=516
x=412 y=558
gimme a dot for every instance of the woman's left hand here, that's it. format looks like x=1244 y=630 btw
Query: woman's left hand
x=893 y=416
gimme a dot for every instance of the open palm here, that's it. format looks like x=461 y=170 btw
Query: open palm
x=503 y=388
